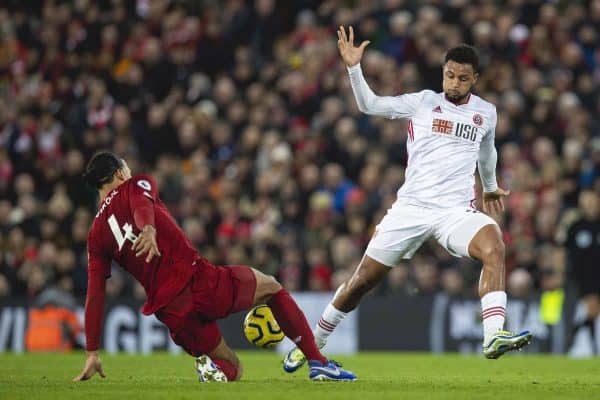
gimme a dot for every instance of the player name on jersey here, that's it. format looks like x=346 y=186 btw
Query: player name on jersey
x=106 y=202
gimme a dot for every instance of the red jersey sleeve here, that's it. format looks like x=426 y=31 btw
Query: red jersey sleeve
x=143 y=194
x=98 y=271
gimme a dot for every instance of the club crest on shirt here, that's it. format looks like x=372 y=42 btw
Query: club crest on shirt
x=478 y=119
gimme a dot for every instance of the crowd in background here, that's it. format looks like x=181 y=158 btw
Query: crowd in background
x=243 y=112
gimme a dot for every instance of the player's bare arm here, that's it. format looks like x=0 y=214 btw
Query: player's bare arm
x=146 y=243
x=92 y=366
x=350 y=53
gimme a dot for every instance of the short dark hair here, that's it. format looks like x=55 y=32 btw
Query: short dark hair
x=101 y=169
x=464 y=54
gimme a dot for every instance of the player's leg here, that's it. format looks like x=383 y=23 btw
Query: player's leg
x=399 y=234
x=467 y=232
x=591 y=301
x=366 y=276
x=592 y=306
x=215 y=361
x=251 y=287
x=289 y=317
x=487 y=246
x=227 y=361
x=266 y=287
x=287 y=313
x=201 y=339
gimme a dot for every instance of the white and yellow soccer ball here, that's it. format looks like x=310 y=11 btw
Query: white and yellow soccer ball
x=261 y=329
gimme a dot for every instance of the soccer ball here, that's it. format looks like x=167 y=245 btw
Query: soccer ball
x=261 y=328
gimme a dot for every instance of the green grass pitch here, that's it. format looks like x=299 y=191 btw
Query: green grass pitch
x=382 y=376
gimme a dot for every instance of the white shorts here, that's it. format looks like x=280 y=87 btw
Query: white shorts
x=406 y=227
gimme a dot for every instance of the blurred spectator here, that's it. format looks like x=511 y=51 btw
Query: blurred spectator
x=320 y=271
x=425 y=274
x=398 y=280
x=520 y=284
x=4 y=287
x=452 y=282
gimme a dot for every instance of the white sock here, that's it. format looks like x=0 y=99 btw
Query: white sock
x=493 y=312
x=329 y=320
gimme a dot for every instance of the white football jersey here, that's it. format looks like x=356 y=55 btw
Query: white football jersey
x=445 y=142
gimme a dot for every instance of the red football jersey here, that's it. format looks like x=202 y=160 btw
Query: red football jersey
x=111 y=237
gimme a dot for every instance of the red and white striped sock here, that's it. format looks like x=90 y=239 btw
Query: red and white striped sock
x=493 y=313
x=329 y=320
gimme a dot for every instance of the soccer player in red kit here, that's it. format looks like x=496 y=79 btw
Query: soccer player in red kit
x=185 y=292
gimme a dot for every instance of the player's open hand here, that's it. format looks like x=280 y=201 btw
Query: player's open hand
x=492 y=201
x=348 y=51
x=146 y=243
x=92 y=365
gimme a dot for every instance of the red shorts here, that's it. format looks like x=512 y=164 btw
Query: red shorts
x=213 y=293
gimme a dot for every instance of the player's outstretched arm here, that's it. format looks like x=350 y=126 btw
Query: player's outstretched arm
x=92 y=366
x=98 y=269
x=367 y=101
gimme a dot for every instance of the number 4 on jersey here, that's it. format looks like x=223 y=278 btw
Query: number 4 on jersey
x=119 y=236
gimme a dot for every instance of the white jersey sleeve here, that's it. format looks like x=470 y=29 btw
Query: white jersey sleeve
x=403 y=106
x=488 y=157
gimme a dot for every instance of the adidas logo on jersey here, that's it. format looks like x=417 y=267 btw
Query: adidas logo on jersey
x=438 y=109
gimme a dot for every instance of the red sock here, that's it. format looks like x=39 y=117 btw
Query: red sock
x=227 y=367
x=293 y=323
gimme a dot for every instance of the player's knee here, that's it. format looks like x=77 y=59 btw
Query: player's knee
x=493 y=254
x=592 y=305
x=272 y=286
x=266 y=287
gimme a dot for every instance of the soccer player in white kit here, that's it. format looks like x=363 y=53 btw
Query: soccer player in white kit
x=449 y=134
